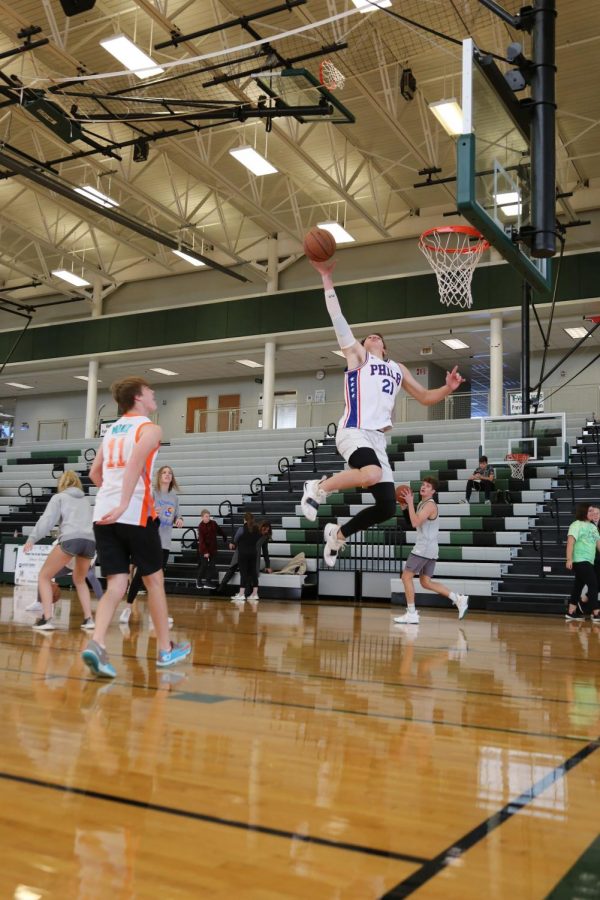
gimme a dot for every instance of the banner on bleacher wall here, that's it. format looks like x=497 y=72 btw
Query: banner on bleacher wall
x=28 y=565
x=515 y=402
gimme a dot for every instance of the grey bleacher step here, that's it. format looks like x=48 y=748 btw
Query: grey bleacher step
x=474 y=587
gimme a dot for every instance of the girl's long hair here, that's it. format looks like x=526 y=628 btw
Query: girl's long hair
x=249 y=521
x=173 y=487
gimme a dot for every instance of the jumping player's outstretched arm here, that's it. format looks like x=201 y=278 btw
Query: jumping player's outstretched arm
x=432 y=395
x=352 y=349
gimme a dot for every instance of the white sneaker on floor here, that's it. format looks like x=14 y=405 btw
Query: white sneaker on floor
x=311 y=498
x=462 y=604
x=43 y=624
x=88 y=624
x=409 y=618
x=333 y=545
x=36 y=606
x=125 y=615
x=254 y=596
x=239 y=596
x=151 y=623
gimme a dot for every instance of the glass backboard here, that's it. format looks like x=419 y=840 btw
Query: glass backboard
x=494 y=167
x=296 y=88
x=542 y=437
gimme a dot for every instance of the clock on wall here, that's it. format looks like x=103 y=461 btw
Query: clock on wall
x=319 y=374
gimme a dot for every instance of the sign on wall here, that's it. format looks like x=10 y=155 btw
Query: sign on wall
x=28 y=565
x=515 y=404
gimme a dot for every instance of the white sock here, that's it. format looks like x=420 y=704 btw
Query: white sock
x=411 y=607
x=453 y=597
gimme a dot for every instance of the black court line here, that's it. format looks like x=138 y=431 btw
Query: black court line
x=290 y=673
x=434 y=866
x=213 y=820
x=388 y=717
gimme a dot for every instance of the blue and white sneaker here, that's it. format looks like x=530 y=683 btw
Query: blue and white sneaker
x=96 y=659
x=177 y=653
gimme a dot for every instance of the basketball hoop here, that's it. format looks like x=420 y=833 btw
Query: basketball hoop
x=517 y=462
x=453 y=252
x=330 y=76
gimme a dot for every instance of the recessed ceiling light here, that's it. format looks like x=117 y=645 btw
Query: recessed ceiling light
x=137 y=62
x=455 y=344
x=250 y=363
x=449 y=114
x=335 y=229
x=70 y=277
x=370 y=5
x=164 y=372
x=248 y=157
x=509 y=203
x=17 y=384
x=339 y=353
x=97 y=196
x=85 y=378
x=578 y=332
x=188 y=258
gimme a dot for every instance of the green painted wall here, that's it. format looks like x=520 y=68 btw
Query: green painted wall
x=398 y=298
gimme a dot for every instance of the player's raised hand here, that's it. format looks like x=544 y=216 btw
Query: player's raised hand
x=454 y=379
x=323 y=267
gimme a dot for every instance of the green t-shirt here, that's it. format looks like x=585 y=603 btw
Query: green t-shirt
x=586 y=536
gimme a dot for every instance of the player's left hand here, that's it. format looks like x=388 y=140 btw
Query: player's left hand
x=113 y=516
x=179 y=523
x=454 y=379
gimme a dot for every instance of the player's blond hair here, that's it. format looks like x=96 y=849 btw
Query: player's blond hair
x=69 y=479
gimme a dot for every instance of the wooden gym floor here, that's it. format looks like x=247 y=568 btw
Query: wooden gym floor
x=306 y=751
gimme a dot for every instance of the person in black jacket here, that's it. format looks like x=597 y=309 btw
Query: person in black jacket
x=246 y=543
x=262 y=547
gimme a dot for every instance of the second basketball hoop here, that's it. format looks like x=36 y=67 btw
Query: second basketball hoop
x=453 y=252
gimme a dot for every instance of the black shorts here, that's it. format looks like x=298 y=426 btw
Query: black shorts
x=119 y=545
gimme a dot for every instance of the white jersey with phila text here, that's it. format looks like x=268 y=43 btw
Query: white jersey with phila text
x=117 y=447
x=370 y=394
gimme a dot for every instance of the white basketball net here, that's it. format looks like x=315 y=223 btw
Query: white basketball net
x=517 y=465
x=453 y=256
x=330 y=75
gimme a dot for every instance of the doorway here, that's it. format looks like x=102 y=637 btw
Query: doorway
x=53 y=430
x=195 y=417
x=229 y=412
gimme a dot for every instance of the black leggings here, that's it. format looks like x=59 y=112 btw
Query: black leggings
x=486 y=486
x=136 y=582
x=248 y=572
x=384 y=508
x=585 y=573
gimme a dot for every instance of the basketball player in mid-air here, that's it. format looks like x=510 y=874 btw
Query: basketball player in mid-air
x=126 y=523
x=372 y=383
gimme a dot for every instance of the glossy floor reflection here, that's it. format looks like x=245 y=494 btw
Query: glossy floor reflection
x=305 y=751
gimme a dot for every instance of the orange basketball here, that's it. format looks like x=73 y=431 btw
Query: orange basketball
x=401 y=495
x=319 y=245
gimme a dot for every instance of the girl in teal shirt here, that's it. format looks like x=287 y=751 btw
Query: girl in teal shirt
x=582 y=543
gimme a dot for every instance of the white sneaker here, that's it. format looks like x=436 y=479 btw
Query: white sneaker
x=239 y=596
x=36 y=606
x=333 y=545
x=409 y=618
x=311 y=498
x=151 y=623
x=125 y=615
x=462 y=604
x=88 y=624
x=254 y=596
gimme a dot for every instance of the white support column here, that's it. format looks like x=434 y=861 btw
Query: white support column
x=496 y=369
x=268 y=385
x=92 y=383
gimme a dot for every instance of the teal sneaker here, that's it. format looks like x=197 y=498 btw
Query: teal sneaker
x=176 y=654
x=96 y=659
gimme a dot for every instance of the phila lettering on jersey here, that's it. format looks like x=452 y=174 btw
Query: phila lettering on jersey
x=117 y=447
x=370 y=392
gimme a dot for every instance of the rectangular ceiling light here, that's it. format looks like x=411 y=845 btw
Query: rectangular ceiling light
x=137 y=62
x=97 y=196
x=250 y=363
x=85 y=378
x=339 y=353
x=70 y=277
x=509 y=203
x=366 y=6
x=455 y=344
x=449 y=115
x=335 y=229
x=188 y=258
x=17 y=384
x=248 y=157
x=164 y=372
x=577 y=333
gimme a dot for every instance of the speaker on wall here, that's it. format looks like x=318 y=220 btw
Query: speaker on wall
x=73 y=7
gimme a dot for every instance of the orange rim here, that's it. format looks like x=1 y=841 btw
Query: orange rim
x=482 y=244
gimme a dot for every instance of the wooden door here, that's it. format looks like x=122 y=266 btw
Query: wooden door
x=229 y=412
x=195 y=419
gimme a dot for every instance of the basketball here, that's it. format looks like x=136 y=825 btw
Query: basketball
x=319 y=245
x=400 y=494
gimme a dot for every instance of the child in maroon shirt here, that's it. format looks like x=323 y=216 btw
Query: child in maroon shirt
x=208 y=530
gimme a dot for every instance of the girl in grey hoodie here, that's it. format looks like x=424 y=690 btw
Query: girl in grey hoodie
x=70 y=509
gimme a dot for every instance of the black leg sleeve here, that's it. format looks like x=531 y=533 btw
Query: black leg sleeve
x=384 y=508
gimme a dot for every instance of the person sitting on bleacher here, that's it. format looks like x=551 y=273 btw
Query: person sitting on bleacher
x=484 y=477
